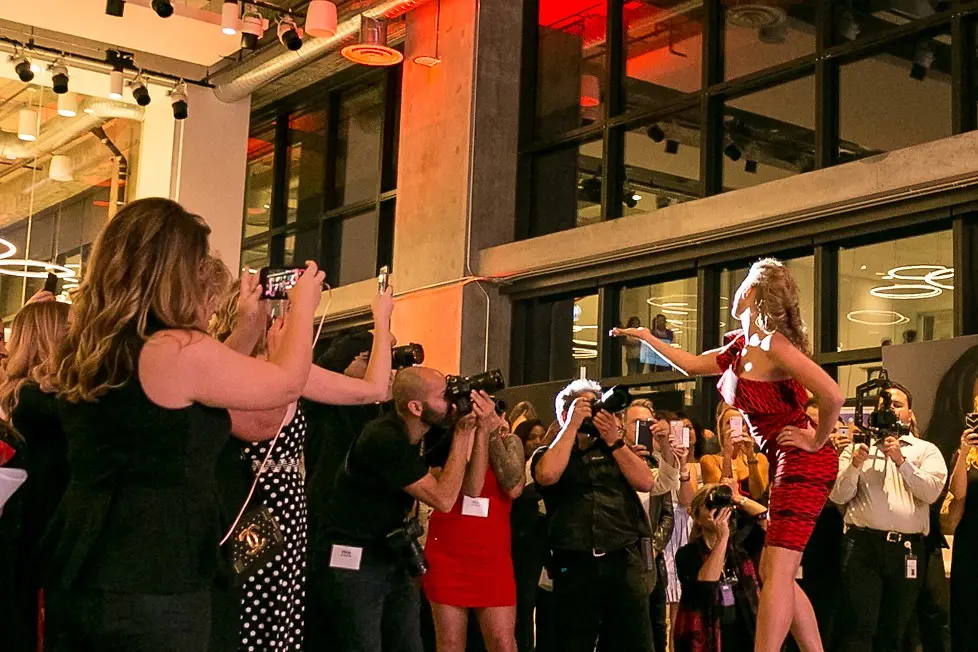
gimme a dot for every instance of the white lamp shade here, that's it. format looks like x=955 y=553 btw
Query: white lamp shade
x=68 y=105
x=230 y=13
x=321 y=19
x=115 y=84
x=60 y=169
x=27 y=125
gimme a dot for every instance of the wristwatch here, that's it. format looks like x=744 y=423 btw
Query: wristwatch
x=620 y=443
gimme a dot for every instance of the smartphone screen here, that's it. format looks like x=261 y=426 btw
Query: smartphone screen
x=383 y=279
x=736 y=428
x=51 y=284
x=643 y=434
x=685 y=436
x=677 y=432
x=277 y=281
x=971 y=419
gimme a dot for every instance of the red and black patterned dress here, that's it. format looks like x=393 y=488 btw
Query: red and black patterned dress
x=800 y=481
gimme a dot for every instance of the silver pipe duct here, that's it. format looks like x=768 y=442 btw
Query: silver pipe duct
x=248 y=82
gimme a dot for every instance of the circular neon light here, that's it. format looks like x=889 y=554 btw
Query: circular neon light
x=58 y=270
x=900 y=274
x=673 y=304
x=11 y=249
x=934 y=278
x=856 y=316
x=898 y=292
x=584 y=354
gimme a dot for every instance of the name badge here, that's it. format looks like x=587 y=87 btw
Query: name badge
x=911 y=567
x=475 y=507
x=726 y=595
x=347 y=557
x=545 y=582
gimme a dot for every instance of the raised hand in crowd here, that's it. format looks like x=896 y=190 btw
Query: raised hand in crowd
x=891 y=448
x=860 y=455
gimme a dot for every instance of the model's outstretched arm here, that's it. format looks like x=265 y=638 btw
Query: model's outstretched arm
x=704 y=364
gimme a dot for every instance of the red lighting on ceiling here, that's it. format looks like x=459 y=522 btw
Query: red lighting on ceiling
x=589 y=102
x=257 y=146
x=372 y=54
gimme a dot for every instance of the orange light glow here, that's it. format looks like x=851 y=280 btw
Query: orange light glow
x=372 y=55
x=588 y=101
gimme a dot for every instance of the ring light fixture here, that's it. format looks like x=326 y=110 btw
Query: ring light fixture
x=906 y=291
x=892 y=317
x=58 y=270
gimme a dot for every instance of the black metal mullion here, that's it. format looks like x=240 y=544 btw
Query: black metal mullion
x=826 y=91
x=965 y=270
x=612 y=165
x=711 y=107
x=609 y=357
x=280 y=172
x=963 y=111
x=708 y=310
x=826 y=300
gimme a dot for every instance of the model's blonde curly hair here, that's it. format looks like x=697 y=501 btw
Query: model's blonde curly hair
x=36 y=332
x=776 y=299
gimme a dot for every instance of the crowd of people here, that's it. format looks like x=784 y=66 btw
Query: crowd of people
x=196 y=482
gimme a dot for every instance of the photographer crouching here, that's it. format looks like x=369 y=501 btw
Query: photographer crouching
x=599 y=533
x=375 y=556
x=718 y=607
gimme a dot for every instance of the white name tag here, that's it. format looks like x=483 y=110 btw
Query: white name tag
x=347 y=557
x=545 y=582
x=911 y=568
x=475 y=507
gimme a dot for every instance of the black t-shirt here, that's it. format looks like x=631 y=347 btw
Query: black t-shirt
x=368 y=499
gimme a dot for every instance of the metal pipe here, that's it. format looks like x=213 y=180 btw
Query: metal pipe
x=313 y=49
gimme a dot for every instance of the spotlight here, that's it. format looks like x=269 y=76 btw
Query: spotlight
x=178 y=100
x=252 y=28
x=59 y=76
x=23 y=68
x=115 y=7
x=289 y=33
x=732 y=152
x=27 y=125
x=630 y=200
x=655 y=133
x=230 y=14
x=922 y=61
x=750 y=166
x=672 y=146
x=590 y=190
x=163 y=8
x=68 y=105
x=116 y=82
x=372 y=50
x=139 y=91
x=321 y=19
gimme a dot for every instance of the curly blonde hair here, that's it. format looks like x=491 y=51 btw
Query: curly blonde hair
x=776 y=299
x=148 y=271
x=225 y=320
x=36 y=332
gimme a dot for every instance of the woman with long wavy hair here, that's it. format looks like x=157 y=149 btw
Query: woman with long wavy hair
x=765 y=371
x=132 y=552
x=28 y=398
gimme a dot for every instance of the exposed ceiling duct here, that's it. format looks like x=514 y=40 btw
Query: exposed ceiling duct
x=246 y=83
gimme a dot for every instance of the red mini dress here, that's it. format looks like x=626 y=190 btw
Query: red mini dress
x=470 y=561
x=800 y=480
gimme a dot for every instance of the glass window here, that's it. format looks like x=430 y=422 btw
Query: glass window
x=299 y=247
x=769 y=134
x=663 y=50
x=662 y=164
x=350 y=248
x=852 y=376
x=586 y=334
x=255 y=256
x=802 y=271
x=895 y=99
x=572 y=50
x=761 y=35
x=567 y=184
x=358 y=144
x=259 y=179
x=896 y=292
x=669 y=308
x=307 y=166
x=858 y=19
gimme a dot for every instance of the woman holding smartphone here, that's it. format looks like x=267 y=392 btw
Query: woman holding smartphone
x=739 y=459
x=962 y=522
x=765 y=372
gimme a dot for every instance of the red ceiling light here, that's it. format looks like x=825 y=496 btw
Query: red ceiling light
x=590 y=91
x=372 y=50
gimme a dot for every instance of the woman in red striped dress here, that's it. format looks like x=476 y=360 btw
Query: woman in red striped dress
x=765 y=372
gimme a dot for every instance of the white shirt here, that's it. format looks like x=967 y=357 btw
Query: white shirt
x=881 y=496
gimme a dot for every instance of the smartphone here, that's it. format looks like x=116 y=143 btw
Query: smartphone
x=685 y=436
x=736 y=429
x=277 y=281
x=51 y=283
x=643 y=434
x=677 y=431
x=971 y=420
x=383 y=279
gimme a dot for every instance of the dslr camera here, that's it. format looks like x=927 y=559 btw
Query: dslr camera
x=406 y=356
x=719 y=497
x=613 y=401
x=404 y=543
x=459 y=388
x=882 y=422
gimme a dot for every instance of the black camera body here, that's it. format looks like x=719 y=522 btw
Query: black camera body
x=719 y=497
x=613 y=401
x=404 y=543
x=406 y=356
x=459 y=388
x=882 y=421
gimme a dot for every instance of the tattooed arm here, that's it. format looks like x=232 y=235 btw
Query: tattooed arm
x=506 y=459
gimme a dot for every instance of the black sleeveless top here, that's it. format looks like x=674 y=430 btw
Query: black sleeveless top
x=141 y=513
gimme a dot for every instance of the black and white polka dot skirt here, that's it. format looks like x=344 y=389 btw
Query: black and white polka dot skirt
x=272 y=608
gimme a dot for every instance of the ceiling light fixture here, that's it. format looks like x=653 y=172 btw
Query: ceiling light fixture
x=900 y=273
x=922 y=61
x=372 y=48
x=178 y=101
x=321 y=19
x=115 y=7
x=750 y=166
x=58 y=270
x=934 y=278
x=906 y=291
x=23 y=67
x=139 y=91
x=655 y=133
x=68 y=105
x=230 y=16
x=163 y=8
x=59 y=76
x=60 y=168
x=428 y=60
x=732 y=152
x=27 y=125
x=886 y=317
x=289 y=34
x=11 y=248
x=672 y=146
x=116 y=83
x=253 y=27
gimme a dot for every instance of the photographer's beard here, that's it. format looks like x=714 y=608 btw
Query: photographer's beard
x=437 y=419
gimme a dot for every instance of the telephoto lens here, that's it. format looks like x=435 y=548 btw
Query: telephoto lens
x=408 y=355
x=459 y=388
x=719 y=497
x=614 y=400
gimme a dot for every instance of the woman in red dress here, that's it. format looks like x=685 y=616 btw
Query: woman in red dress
x=469 y=548
x=765 y=372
